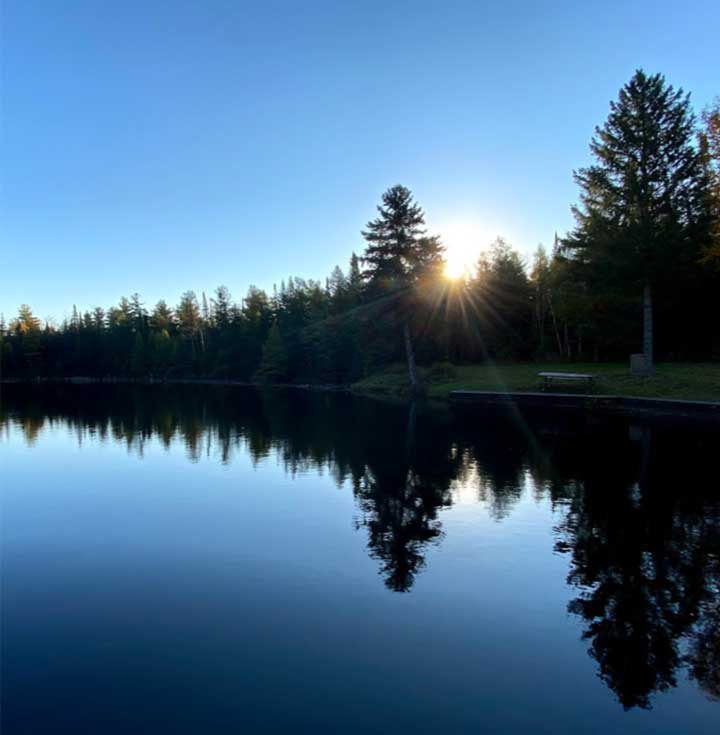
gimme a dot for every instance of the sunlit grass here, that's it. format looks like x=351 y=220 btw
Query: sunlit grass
x=697 y=381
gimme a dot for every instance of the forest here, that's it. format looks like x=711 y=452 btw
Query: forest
x=638 y=273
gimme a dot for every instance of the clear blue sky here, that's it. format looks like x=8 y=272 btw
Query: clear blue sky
x=166 y=145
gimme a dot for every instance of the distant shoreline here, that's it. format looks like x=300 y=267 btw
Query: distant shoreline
x=84 y=380
x=463 y=400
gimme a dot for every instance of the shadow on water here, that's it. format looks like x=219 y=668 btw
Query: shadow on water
x=638 y=508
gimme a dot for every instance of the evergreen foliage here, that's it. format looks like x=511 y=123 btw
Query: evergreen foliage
x=274 y=364
x=644 y=218
x=648 y=220
x=710 y=145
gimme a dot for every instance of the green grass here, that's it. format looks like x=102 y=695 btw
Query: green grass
x=689 y=381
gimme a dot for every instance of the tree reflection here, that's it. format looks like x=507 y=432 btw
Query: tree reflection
x=643 y=541
x=639 y=513
x=400 y=497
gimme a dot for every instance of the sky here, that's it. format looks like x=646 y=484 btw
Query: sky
x=167 y=145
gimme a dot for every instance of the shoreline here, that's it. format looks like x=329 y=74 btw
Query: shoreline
x=462 y=399
x=83 y=380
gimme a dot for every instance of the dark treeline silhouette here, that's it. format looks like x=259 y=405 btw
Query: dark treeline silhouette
x=641 y=532
x=639 y=272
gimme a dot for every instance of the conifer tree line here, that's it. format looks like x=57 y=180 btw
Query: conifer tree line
x=639 y=272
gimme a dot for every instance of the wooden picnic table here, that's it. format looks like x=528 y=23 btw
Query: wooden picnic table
x=548 y=378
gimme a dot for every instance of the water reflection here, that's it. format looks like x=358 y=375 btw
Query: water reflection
x=638 y=511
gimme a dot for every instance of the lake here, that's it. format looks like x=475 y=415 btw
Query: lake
x=205 y=559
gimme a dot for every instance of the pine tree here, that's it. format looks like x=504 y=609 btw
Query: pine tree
x=398 y=249
x=643 y=211
x=354 y=280
x=138 y=315
x=26 y=322
x=540 y=280
x=257 y=312
x=274 y=364
x=188 y=315
x=75 y=319
x=710 y=141
x=28 y=331
x=222 y=303
x=188 y=319
x=398 y=254
x=99 y=318
x=502 y=294
x=337 y=282
x=162 y=317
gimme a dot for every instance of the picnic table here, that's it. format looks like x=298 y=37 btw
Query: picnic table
x=548 y=378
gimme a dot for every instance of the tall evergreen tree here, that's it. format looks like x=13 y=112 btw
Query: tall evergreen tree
x=354 y=279
x=502 y=294
x=274 y=365
x=189 y=322
x=398 y=254
x=222 y=303
x=398 y=249
x=643 y=211
x=138 y=313
x=26 y=322
x=98 y=316
x=27 y=330
x=162 y=318
x=540 y=280
x=710 y=141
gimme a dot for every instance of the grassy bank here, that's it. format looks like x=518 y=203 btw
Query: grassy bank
x=685 y=381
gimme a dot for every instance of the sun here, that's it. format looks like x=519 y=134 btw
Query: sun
x=455 y=265
x=463 y=242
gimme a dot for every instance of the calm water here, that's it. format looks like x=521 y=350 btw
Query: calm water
x=210 y=560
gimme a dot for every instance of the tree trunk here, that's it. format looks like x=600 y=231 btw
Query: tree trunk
x=540 y=319
x=412 y=369
x=555 y=328
x=648 y=329
x=568 y=350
